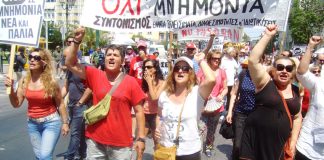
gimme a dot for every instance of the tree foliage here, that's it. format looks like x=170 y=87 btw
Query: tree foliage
x=306 y=19
x=54 y=35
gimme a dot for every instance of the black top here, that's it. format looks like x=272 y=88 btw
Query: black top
x=76 y=88
x=268 y=127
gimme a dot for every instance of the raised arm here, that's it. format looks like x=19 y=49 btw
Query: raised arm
x=259 y=75
x=210 y=42
x=207 y=85
x=305 y=61
x=71 y=53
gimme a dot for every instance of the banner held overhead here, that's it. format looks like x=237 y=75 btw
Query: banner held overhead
x=173 y=15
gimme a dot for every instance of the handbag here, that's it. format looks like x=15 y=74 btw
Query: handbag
x=99 y=111
x=226 y=130
x=213 y=105
x=287 y=154
x=169 y=153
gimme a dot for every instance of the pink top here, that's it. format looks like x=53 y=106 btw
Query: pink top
x=38 y=106
x=218 y=88
x=150 y=106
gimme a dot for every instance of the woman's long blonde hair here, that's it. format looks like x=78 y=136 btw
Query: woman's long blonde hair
x=47 y=78
x=170 y=87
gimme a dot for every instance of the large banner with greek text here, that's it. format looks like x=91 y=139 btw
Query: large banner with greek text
x=21 y=21
x=172 y=15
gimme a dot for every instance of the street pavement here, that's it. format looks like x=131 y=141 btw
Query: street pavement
x=15 y=144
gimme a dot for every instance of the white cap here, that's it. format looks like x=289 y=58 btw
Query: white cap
x=129 y=47
x=185 y=59
x=320 y=51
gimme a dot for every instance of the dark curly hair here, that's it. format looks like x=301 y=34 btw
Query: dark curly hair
x=158 y=73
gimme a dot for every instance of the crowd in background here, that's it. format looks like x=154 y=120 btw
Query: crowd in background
x=271 y=101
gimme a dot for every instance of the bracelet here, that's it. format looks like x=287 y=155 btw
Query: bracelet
x=76 y=41
x=65 y=121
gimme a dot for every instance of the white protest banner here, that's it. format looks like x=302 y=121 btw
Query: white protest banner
x=231 y=34
x=164 y=66
x=172 y=15
x=21 y=21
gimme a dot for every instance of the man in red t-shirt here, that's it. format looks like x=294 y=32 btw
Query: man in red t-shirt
x=111 y=137
x=137 y=62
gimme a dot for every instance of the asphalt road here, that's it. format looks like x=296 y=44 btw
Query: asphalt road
x=15 y=144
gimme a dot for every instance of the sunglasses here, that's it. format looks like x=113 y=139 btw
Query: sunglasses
x=190 y=49
x=215 y=58
x=281 y=67
x=36 y=57
x=149 y=67
x=183 y=68
x=316 y=72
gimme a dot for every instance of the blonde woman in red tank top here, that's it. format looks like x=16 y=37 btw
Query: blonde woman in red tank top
x=47 y=116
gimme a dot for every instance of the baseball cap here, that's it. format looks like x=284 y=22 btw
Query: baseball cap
x=129 y=47
x=191 y=45
x=141 y=44
x=185 y=59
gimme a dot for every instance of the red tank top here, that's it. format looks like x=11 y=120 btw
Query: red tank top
x=38 y=106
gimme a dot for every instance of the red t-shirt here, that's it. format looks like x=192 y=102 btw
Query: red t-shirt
x=116 y=129
x=305 y=103
x=136 y=68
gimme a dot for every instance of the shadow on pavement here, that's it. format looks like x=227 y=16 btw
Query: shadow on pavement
x=226 y=149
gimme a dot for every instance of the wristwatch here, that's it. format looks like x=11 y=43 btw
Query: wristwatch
x=140 y=139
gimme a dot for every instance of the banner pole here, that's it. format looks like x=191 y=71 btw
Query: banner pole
x=11 y=63
x=170 y=42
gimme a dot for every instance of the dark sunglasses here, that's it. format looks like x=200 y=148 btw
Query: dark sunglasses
x=149 y=67
x=316 y=72
x=281 y=67
x=190 y=49
x=36 y=57
x=183 y=68
x=215 y=58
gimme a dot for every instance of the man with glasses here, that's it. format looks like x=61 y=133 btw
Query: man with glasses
x=135 y=67
x=192 y=49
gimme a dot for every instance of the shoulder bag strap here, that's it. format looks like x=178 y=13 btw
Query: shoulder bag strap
x=118 y=81
x=286 y=107
x=176 y=141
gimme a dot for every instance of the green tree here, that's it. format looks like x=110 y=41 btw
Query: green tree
x=54 y=35
x=306 y=19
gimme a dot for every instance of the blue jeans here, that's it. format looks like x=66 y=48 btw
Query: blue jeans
x=238 y=127
x=44 y=136
x=77 y=146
